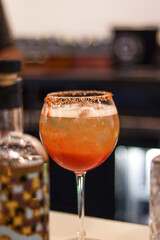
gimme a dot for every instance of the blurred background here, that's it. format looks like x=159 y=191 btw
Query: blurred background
x=103 y=45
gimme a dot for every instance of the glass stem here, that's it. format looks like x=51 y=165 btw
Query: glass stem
x=80 y=180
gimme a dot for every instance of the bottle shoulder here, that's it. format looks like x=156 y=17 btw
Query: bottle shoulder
x=21 y=150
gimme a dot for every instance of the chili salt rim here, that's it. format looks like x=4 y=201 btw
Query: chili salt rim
x=68 y=97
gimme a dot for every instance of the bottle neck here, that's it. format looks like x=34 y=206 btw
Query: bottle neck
x=11 y=111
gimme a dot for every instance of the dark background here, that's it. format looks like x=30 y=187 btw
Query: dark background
x=136 y=94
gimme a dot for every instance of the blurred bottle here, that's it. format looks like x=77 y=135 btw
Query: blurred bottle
x=24 y=180
x=154 y=206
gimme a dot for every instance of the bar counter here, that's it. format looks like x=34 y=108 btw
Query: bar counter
x=64 y=226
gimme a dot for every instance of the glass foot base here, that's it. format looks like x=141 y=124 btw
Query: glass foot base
x=86 y=238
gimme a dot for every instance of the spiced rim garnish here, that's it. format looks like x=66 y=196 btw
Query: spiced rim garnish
x=68 y=97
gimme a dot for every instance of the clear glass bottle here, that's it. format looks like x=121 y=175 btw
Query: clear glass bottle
x=11 y=111
x=154 y=204
x=24 y=179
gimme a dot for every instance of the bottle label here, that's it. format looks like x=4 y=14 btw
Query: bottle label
x=5 y=231
x=24 y=203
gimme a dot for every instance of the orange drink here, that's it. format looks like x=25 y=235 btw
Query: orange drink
x=79 y=140
x=79 y=130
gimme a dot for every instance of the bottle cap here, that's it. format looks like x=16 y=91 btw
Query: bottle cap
x=10 y=65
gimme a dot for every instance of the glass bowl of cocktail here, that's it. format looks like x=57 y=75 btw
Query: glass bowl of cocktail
x=79 y=130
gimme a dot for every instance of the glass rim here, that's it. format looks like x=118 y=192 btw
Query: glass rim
x=74 y=96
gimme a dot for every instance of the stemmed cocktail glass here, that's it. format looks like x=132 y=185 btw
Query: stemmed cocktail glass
x=79 y=130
